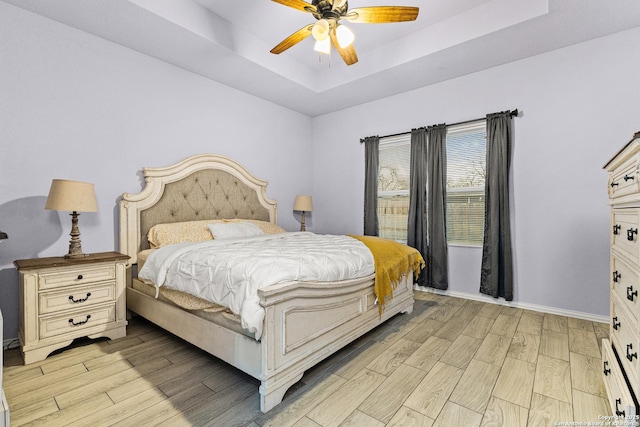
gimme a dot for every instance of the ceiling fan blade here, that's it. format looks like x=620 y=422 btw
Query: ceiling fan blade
x=293 y=39
x=382 y=14
x=300 y=5
x=348 y=53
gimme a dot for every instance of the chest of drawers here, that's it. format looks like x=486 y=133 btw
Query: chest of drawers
x=62 y=299
x=621 y=366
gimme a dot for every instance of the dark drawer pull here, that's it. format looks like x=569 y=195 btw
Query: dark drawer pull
x=628 y=177
x=79 y=299
x=614 y=184
x=630 y=356
x=630 y=233
x=82 y=322
x=79 y=276
x=631 y=293
x=619 y=412
x=616 y=276
x=616 y=229
x=616 y=324
x=606 y=371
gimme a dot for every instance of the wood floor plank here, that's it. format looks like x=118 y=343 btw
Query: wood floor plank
x=461 y=352
x=201 y=411
x=336 y=408
x=479 y=327
x=515 y=382
x=556 y=323
x=434 y=390
x=531 y=322
x=358 y=419
x=474 y=388
x=426 y=356
x=503 y=413
x=115 y=413
x=456 y=415
x=553 y=378
x=424 y=331
x=586 y=374
x=71 y=384
x=493 y=349
x=554 y=344
x=524 y=346
x=546 y=411
x=588 y=408
x=66 y=416
x=101 y=385
x=389 y=396
x=505 y=325
x=583 y=342
x=394 y=356
x=28 y=414
x=407 y=417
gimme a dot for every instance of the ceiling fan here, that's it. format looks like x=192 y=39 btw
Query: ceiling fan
x=327 y=31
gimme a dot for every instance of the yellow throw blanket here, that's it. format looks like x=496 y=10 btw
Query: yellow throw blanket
x=392 y=260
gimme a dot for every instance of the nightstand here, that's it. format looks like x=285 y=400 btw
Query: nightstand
x=62 y=299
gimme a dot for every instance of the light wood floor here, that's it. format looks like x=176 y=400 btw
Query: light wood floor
x=452 y=362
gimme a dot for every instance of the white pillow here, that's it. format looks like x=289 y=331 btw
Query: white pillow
x=234 y=230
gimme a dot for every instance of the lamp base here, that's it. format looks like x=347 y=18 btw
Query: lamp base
x=75 y=246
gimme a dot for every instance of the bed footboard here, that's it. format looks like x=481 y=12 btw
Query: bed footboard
x=307 y=322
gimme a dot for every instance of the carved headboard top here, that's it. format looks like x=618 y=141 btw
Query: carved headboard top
x=206 y=186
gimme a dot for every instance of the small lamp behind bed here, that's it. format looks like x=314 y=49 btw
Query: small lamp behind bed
x=304 y=204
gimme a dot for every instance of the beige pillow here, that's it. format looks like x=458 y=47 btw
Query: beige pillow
x=197 y=231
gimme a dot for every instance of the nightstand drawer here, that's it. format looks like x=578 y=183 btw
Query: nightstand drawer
x=76 y=276
x=624 y=179
x=76 y=321
x=620 y=398
x=76 y=297
x=624 y=229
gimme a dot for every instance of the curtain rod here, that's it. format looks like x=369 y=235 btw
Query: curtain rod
x=512 y=113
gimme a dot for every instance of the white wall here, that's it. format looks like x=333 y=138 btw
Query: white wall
x=579 y=107
x=75 y=106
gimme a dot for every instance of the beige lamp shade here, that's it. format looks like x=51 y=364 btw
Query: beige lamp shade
x=76 y=196
x=303 y=203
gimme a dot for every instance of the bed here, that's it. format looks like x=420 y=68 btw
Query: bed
x=304 y=322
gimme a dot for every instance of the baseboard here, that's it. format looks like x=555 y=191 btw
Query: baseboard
x=515 y=304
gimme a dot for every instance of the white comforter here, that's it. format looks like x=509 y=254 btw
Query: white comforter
x=229 y=272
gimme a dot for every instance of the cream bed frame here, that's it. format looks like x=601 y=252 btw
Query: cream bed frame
x=304 y=322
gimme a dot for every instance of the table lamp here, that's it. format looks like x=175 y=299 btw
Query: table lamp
x=304 y=204
x=73 y=196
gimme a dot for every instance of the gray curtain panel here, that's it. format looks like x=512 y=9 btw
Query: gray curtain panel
x=437 y=250
x=371 y=152
x=417 y=218
x=426 y=228
x=496 y=277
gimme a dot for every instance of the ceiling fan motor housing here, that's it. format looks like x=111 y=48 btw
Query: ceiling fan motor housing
x=325 y=9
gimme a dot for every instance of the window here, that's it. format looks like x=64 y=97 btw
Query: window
x=466 y=169
x=393 y=187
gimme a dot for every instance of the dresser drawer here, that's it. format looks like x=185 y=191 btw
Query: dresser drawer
x=76 y=321
x=624 y=229
x=625 y=282
x=623 y=180
x=76 y=297
x=625 y=340
x=620 y=398
x=76 y=276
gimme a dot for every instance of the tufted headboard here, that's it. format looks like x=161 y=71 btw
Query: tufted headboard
x=201 y=187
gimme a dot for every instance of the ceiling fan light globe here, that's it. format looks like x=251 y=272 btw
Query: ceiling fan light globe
x=323 y=46
x=320 y=30
x=345 y=36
